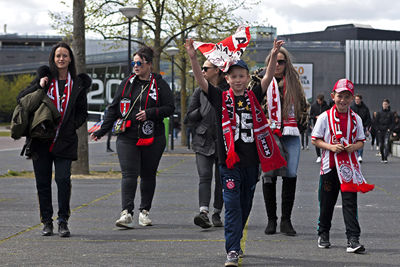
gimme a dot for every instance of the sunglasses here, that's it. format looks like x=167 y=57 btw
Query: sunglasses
x=137 y=63
x=205 y=69
x=281 y=62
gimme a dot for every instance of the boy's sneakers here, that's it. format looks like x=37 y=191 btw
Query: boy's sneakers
x=202 y=220
x=216 y=220
x=125 y=220
x=323 y=240
x=360 y=159
x=232 y=258
x=318 y=160
x=354 y=246
x=144 y=219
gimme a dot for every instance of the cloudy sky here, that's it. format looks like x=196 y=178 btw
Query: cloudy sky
x=289 y=16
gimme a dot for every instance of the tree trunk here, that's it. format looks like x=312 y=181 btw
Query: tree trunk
x=81 y=166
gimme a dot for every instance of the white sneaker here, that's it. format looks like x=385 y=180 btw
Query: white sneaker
x=360 y=159
x=318 y=160
x=125 y=221
x=144 y=219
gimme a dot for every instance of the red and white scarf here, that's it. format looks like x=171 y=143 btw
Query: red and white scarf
x=61 y=102
x=267 y=149
x=228 y=51
x=275 y=111
x=347 y=166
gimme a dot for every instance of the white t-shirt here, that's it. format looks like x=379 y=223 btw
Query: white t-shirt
x=321 y=131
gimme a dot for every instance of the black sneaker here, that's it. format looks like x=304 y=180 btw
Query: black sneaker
x=216 y=220
x=202 y=220
x=354 y=246
x=232 y=258
x=271 y=227
x=63 y=230
x=323 y=240
x=47 y=229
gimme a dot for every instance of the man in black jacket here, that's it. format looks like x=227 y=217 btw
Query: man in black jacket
x=317 y=108
x=384 y=125
x=362 y=110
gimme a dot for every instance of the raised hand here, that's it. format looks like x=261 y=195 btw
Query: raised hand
x=190 y=48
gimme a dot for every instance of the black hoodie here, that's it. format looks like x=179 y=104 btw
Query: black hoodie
x=384 y=120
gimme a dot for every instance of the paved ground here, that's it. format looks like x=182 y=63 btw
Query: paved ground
x=174 y=240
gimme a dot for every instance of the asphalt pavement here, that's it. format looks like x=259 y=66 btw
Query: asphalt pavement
x=174 y=240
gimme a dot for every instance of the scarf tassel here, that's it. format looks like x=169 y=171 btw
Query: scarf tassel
x=145 y=141
x=231 y=159
x=352 y=187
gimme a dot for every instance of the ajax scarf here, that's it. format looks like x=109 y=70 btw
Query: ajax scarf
x=267 y=149
x=348 y=168
x=275 y=114
x=146 y=128
x=61 y=102
x=227 y=52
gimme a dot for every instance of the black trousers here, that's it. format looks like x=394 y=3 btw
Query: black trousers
x=383 y=138
x=42 y=166
x=138 y=161
x=329 y=187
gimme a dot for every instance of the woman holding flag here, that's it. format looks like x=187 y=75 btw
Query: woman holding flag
x=142 y=100
x=243 y=136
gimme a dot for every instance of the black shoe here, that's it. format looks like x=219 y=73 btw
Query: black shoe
x=232 y=259
x=47 y=229
x=202 y=220
x=287 y=228
x=323 y=240
x=216 y=220
x=109 y=150
x=354 y=246
x=271 y=227
x=63 y=230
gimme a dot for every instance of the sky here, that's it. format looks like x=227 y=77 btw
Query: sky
x=288 y=16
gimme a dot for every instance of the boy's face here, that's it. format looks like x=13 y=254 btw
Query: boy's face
x=238 y=78
x=342 y=100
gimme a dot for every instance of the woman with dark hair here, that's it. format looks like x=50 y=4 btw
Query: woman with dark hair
x=287 y=110
x=143 y=99
x=201 y=117
x=67 y=91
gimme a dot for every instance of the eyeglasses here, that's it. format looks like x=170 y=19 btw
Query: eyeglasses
x=137 y=63
x=205 y=69
x=281 y=62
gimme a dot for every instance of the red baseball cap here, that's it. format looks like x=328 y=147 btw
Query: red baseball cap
x=344 y=85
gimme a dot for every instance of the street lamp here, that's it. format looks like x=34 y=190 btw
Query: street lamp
x=172 y=51
x=129 y=12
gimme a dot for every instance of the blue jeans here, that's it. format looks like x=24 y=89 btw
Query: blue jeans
x=238 y=186
x=292 y=145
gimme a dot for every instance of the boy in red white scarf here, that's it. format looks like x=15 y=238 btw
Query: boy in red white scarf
x=244 y=142
x=339 y=133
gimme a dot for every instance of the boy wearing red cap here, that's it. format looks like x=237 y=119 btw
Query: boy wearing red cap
x=339 y=133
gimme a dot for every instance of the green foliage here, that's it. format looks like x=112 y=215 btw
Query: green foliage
x=9 y=89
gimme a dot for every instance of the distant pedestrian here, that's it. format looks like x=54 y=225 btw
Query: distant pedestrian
x=384 y=124
x=305 y=131
x=339 y=132
x=374 y=132
x=317 y=108
x=109 y=134
x=359 y=107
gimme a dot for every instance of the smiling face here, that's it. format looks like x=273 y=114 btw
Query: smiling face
x=342 y=100
x=62 y=58
x=238 y=78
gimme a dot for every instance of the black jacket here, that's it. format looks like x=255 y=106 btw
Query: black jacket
x=384 y=120
x=362 y=111
x=317 y=109
x=66 y=144
x=154 y=111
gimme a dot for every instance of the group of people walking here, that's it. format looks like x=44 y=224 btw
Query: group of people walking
x=228 y=126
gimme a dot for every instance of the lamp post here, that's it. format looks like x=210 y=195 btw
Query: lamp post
x=192 y=75
x=129 y=12
x=172 y=51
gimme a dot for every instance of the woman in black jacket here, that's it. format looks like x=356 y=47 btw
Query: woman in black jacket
x=68 y=93
x=144 y=99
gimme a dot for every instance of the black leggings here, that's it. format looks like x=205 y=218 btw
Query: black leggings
x=138 y=160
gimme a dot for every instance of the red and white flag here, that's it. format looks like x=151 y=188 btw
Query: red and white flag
x=227 y=52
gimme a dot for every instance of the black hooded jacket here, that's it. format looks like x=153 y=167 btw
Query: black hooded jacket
x=362 y=111
x=317 y=109
x=66 y=144
x=384 y=120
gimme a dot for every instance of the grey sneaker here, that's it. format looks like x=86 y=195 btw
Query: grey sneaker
x=232 y=258
x=354 y=246
x=323 y=240
x=216 y=220
x=202 y=220
x=144 y=219
x=125 y=220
